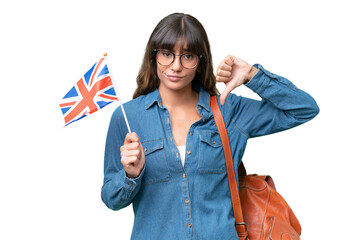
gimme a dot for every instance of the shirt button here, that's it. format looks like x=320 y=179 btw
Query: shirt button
x=184 y=175
x=177 y=155
x=203 y=119
x=189 y=225
x=190 y=133
x=187 y=201
x=188 y=152
x=171 y=139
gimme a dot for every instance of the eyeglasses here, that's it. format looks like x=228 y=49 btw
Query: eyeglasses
x=187 y=60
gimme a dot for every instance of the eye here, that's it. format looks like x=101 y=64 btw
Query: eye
x=166 y=54
x=188 y=56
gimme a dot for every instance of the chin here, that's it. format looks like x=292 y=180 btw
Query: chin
x=175 y=86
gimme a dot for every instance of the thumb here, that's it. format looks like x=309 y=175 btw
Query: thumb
x=229 y=87
x=131 y=137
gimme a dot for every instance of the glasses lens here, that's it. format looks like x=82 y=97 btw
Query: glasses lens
x=164 y=57
x=189 y=60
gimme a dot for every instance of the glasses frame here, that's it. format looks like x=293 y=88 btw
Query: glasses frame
x=174 y=56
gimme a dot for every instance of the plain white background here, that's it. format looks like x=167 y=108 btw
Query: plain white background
x=51 y=176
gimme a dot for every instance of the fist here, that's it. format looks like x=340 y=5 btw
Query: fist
x=132 y=155
x=233 y=72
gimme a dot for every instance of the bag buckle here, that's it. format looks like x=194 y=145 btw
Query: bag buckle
x=243 y=234
x=242 y=223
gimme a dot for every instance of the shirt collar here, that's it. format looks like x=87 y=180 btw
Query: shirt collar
x=151 y=98
x=154 y=97
x=204 y=100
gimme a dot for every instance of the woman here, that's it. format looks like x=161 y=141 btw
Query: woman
x=172 y=166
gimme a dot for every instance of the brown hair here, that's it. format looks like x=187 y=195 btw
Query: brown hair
x=165 y=36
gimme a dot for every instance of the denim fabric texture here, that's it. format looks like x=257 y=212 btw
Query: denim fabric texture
x=193 y=202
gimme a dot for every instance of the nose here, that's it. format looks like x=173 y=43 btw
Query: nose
x=176 y=65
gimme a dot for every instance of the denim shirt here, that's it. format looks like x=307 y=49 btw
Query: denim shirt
x=193 y=202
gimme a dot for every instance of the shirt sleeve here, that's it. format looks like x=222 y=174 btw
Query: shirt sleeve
x=118 y=190
x=283 y=105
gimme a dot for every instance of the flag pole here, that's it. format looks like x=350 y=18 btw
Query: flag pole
x=117 y=92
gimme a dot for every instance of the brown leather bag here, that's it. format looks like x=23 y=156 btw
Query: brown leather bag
x=262 y=213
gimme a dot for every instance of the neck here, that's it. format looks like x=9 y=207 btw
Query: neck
x=178 y=98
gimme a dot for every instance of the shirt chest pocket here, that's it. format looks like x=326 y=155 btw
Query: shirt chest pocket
x=211 y=154
x=156 y=168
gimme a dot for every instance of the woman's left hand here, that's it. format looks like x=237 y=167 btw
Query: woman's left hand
x=233 y=72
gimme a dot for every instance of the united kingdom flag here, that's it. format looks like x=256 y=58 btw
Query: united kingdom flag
x=92 y=92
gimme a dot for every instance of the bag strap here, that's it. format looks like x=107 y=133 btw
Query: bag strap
x=234 y=190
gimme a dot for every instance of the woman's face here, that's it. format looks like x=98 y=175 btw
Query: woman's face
x=174 y=76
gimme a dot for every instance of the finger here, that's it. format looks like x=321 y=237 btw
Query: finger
x=230 y=60
x=128 y=161
x=128 y=167
x=222 y=79
x=224 y=66
x=131 y=137
x=131 y=146
x=131 y=153
x=225 y=93
x=122 y=148
x=223 y=73
x=128 y=147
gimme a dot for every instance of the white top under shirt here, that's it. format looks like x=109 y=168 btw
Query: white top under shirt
x=182 y=153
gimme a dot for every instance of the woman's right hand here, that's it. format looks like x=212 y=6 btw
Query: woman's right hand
x=132 y=155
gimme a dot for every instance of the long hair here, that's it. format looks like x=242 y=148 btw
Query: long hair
x=167 y=33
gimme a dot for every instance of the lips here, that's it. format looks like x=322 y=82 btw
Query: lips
x=174 y=77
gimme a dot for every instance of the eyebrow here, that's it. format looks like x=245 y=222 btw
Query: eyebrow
x=183 y=50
